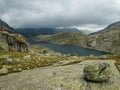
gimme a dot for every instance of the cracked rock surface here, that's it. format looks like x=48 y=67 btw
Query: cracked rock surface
x=68 y=77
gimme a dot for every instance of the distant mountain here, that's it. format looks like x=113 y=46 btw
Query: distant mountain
x=64 y=38
x=86 y=32
x=107 y=40
x=112 y=27
x=73 y=29
x=6 y=25
x=30 y=33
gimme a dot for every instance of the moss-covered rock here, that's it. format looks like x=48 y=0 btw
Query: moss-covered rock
x=98 y=72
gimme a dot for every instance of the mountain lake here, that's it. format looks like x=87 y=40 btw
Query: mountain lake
x=71 y=49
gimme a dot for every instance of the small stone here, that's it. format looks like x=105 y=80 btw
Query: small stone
x=91 y=56
x=4 y=66
x=14 y=69
x=17 y=60
x=3 y=71
x=8 y=61
x=74 y=57
x=19 y=69
x=28 y=68
x=19 y=65
x=8 y=67
x=27 y=58
x=97 y=72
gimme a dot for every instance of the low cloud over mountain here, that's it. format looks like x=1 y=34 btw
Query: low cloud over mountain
x=59 y=13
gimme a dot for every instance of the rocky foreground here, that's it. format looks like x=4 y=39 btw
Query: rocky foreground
x=59 y=77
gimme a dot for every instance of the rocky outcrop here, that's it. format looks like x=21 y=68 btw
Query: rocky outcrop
x=68 y=77
x=11 y=41
x=107 y=39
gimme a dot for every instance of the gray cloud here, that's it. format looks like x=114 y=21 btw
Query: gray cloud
x=59 y=13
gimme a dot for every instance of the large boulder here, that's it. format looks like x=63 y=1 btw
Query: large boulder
x=97 y=72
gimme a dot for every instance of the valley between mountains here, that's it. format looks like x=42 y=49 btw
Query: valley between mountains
x=107 y=40
x=24 y=66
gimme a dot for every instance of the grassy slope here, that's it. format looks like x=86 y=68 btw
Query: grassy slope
x=36 y=58
x=39 y=57
x=70 y=38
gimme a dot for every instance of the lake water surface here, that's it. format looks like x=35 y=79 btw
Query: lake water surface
x=70 y=49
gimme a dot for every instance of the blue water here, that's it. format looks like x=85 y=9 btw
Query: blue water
x=70 y=49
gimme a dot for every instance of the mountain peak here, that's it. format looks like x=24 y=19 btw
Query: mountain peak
x=6 y=25
x=112 y=27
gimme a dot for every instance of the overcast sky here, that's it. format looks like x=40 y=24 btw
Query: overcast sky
x=89 y=14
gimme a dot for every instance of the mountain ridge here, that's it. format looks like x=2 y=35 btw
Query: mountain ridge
x=31 y=33
x=109 y=27
x=6 y=25
x=107 y=40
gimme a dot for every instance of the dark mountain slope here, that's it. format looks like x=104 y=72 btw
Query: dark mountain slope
x=31 y=33
x=6 y=25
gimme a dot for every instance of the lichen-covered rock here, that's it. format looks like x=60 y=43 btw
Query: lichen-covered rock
x=97 y=72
